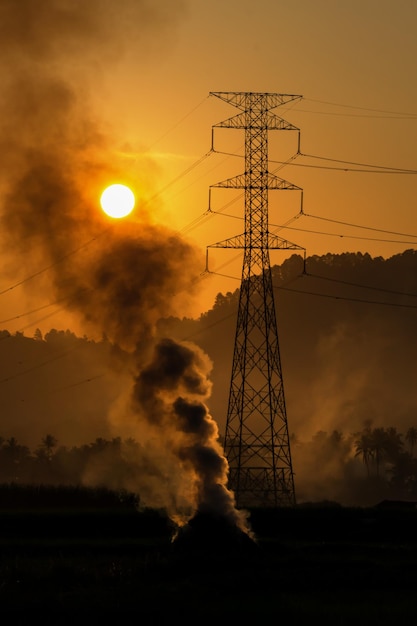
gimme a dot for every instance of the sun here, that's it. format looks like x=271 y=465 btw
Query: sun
x=117 y=200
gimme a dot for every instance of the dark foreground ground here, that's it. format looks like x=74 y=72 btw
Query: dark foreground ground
x=78 y=557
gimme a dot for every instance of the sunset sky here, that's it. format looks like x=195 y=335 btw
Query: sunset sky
x=142 y=72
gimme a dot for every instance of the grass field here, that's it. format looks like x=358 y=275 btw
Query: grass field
x=78 y=556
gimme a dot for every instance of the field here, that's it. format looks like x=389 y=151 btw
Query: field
x=74 y=556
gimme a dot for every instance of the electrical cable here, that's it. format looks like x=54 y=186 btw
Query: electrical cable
x=348 y=169
x=351 y=284
x=398 y=170
x=38 y=365
x=97 y=237
x=60 y=260
x=357 y=237
x=375 y=169
x=379 y=230
x=180 y=121
x=45 y=306
x=360 y=115
x=350 y=299
x=359 y=108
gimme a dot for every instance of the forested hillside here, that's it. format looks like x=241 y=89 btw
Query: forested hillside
x=347 y=329
x=348 y=337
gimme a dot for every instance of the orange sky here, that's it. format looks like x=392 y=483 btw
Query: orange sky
x=147 y=81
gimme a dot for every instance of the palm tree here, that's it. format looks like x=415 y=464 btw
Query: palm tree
x=402 y=473
x=363 y=447
x=411 y=438
x=379 y=444
x=394 y=443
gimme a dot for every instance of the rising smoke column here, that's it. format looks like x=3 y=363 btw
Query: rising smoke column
x=169 y=394
x=118 y=279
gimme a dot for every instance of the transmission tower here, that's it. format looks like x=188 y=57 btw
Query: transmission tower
x=256 y=441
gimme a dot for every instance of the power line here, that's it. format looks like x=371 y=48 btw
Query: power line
x=380 y=230
x=181 y=175
x=87 y=243
x=78 y=383
x=351 y=299
x=45 y=306
x=375 y=169
x=359 y=108
x=348 y=169
x=180 y=121
x=38 y=365
x=317 y=232
x=60 y=260
x=342 y=236
x=208 y=214
x=336 y=297
x=384 y=168
x=352 y=284
x=93 y=239
x=360 y=115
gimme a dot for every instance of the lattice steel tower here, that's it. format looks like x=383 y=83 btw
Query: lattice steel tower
x=256 y=441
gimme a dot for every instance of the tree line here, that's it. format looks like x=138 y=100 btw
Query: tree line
x=360 y=468
x=355 y=469
x=346 y=359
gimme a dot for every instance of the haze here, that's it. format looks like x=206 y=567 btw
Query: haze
x=94 y=91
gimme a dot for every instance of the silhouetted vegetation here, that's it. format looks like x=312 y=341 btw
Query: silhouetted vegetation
x=83 y=551
x=354 y=469
x=348 y=364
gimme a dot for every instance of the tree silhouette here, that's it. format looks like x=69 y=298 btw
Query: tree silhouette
x=403 y=474
x=394 y=444
x=379 y=446
x=14 y=457
x=49 y=442
x=364 y=447
x=411 y=438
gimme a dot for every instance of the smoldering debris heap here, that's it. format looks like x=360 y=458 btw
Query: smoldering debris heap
x=208 y=535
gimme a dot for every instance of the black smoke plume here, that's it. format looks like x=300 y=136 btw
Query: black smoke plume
x=117 y=279
x=169 y=394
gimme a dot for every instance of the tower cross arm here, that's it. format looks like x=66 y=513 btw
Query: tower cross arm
x=273 y=122
x=278 y=243
x=237 y=121
x=273 y=243
x=277 y=123
x=240 y=182
x=240 y=99
x=274 y=182
x=235 y=182
x=238 y=241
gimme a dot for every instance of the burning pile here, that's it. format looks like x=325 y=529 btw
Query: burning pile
x=211 y=535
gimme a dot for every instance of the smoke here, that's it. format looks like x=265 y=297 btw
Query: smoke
x=119 y=278
x=169 y=394
x=57 y=159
